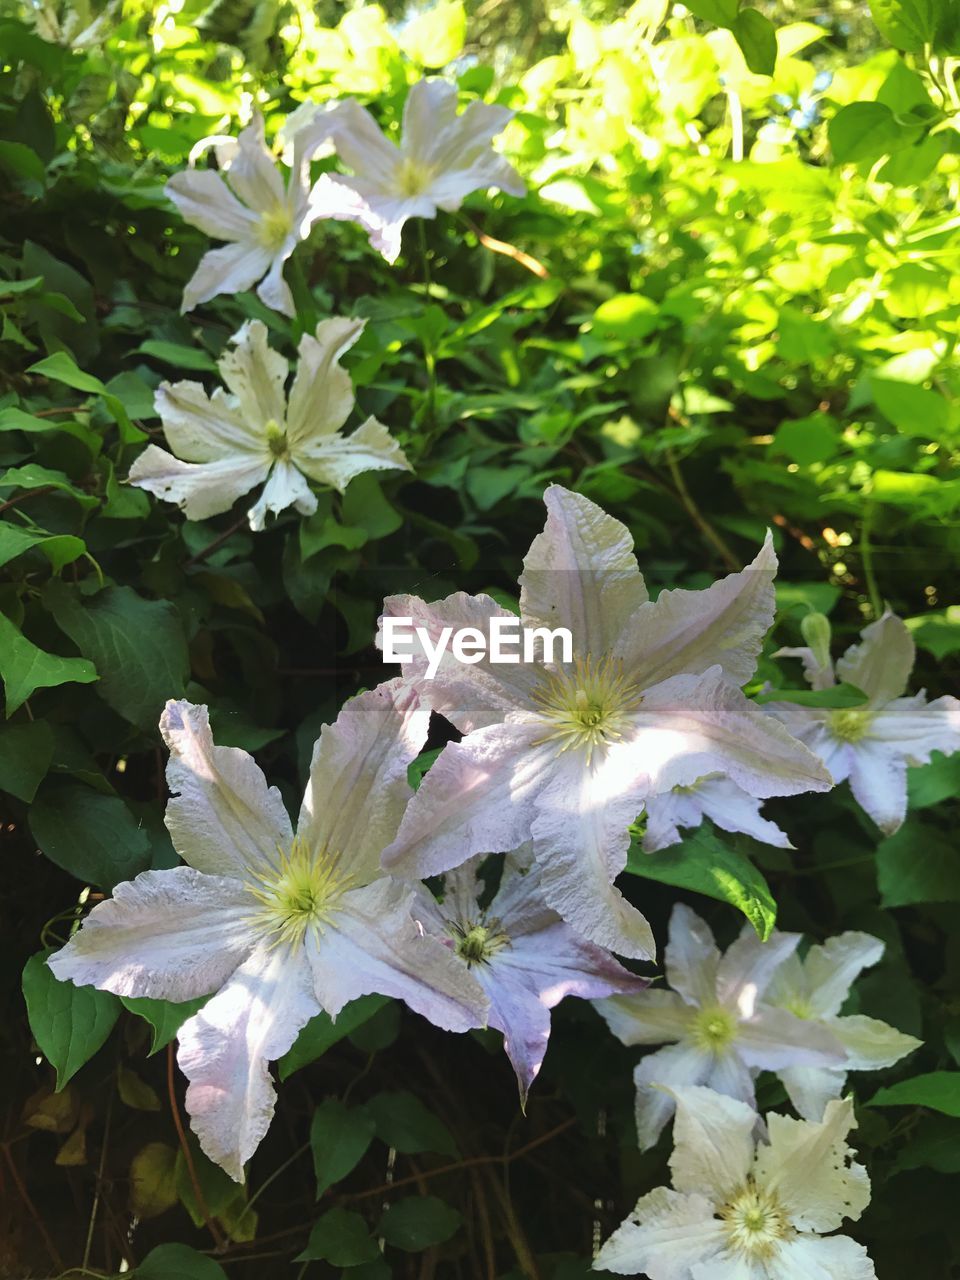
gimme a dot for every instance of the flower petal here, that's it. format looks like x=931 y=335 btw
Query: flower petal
x=913 y=728
x=732 y=809
x=691 y=957
x=285 y=487
x=748 y=965
x=878 y=781
x=811 y=1258
x=273 y=291
x=222 y=817
x=225 y=1050
x=690 y=631
x=169 y=935
x=832 y=967
x=253 y=173
x=361 y=145
x=870 y=1043
x=200 y=489
x=581 y=573
x=429 y=111
x=373 y=944
x=666 y=1234
x=652 y=1017
x=477 y=798
x=335 y=459
x=775 y=1038
x=811 y=1088
x=676 y=1065
x=805 y=1166
x=205 y=201
x=255 y=373
x=321 y=396
x=199 y=428
x=471 y=697
x=232 y=269
x=713 y=1145
x=881 y=663
x=358 y=789
x=691 y=725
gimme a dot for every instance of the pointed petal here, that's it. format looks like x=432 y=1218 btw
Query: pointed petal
x=169 y=935
x=871 y=1044
x=713 y=1143
x=232 y=269
x=652 y=1017
x=374 y=945
x=748 y=966
x=581 y=573
x=205 y=201
x=199 y=428
x=200 y=489
x=732 y=809
x=581 y=837
x=321 y=396
x=816 y=675
x=451 y=188
x=222 y=817
x=731 y=1076
x=255 y=373
x=690 y=631
x=358 y=789
x=666 y=814
x=691 y=957
x=811 y=1258
x=811 y=1088
x=832 y=967
x=335 y=459
x=774 y=1038
x=912 y=727
x=471 y=697
x=273 y=291
x=429 y=111
x=285 y=487
x=881 y=663
x=253 y=173
x=689 y=726
x=676 y=1065
x=878 y=781
x=477 y=798
x=666 y=1234
x=225 y=1050
x=806 y=1166
x=360 y=144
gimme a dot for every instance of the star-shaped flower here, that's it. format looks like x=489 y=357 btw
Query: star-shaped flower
x=279 y=926
x=567 y=754
x=814 y=988
x=441 y=158
x=718 y=1031
x=726 y=805
x=226 y=444
x=872 y=745
x=522 y=954
x=262 y=218
x=743 y=1210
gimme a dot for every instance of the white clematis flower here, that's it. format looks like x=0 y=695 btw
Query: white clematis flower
x=442 y=157
x=279 y=925
x=726 y=805
x=522 y=954
x=566 y=755
x=262 y=218
x=815 y=989
x=872 y=745
x=742 y=1210
x=226 y=444
x=721 y=1034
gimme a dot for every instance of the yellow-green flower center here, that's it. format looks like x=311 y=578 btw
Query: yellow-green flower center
x=755 y=1223
x=276 y=438
x=713 y=1029
x=298 y=892
x=477 y=941
x=274 y=227
x=849 y=725
x=587 y=705
x=412 y=177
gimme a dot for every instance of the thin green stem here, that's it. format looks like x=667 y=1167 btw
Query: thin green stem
x=306 y=319
x=429 y=358
x=866 y=557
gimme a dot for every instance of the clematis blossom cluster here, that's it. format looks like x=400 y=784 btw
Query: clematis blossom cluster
x=871 y=745
x=566 y=755
x=226 y=444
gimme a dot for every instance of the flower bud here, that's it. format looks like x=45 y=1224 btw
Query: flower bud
x=815 y=629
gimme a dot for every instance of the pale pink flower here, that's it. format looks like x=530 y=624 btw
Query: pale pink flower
x=727 y=806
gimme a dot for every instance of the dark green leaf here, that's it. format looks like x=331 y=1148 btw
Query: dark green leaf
x=918 y=864
x=24 y=668
x=93 y=836
x=178 y=1262
x=418 y=1222
x=403 y=1122
x=757 y=38
x=322 y=1032
x=69 y=1023
x=26 y=751
x=939 y=1090
x=165 y=1016
x=838 y=695
x=339 y=1138
x=340 y=1237
x=866 y=131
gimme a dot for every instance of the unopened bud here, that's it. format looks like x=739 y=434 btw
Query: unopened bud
x=815 y=629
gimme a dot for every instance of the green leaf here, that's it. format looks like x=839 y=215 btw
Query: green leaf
x=757 y=38
x=418 y=1222
x=907 y=24
x=866 y=131
x=14 y=419
x=934 y=1143
x=931 y=783
x=322 y=1032
x=838 y=695
x=340 y=1237
x=26 y=751
x=33 y=476
x=939 y=1090
x=178 y=1262
x=166 y=1017
x=69 y=1023
x=138 y=646
x=59 y=548
x=403 y=1122
x=93 y=836
x=722 y=13
x=914 y=410
x=24 y=668
x=417 y=769
x=436 y=36
x=61 y=368
x=808 y=440
x=918 y=864
x=626 y=316
x=181 y=357
x=21 y=160
x=704 y=864
x=339 y=1138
